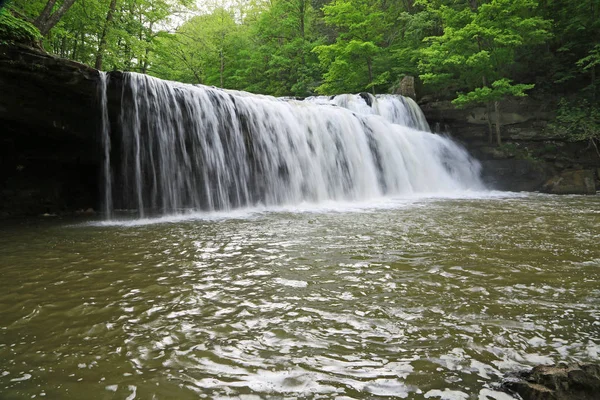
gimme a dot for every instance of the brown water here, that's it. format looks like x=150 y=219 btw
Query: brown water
x=430 y=298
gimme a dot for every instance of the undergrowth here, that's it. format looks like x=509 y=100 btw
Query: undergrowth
x=15 y=30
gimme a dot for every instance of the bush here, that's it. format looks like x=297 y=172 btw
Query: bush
x=13 y=29
x=579 y=121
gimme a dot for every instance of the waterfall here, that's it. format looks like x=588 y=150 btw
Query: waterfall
x=107 y=205
x=395 y=109
x=195 y=147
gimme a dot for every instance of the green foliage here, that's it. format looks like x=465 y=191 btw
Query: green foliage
x=353 y=63
x=579 y=121
x=478 y=45
x=498 y=90
x=576 y=44
x=13 y=29
x=281 y=62
x=478 y=51
x=130 y=37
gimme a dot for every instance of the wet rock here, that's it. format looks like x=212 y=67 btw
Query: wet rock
x=514 y=174
x=572 y=182
x=566 y=382
x=367 y=97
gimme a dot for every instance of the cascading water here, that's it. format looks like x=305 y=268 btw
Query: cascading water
x=106 y=145
x=395 y=109
x=195 y=147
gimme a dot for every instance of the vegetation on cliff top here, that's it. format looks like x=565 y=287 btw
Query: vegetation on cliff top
x=14 y=29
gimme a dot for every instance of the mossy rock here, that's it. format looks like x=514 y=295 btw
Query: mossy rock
x=15 y=30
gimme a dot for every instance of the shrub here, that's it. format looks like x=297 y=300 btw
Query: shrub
x=13 y=29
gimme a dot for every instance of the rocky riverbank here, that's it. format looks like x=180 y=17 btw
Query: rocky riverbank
x=50 y=156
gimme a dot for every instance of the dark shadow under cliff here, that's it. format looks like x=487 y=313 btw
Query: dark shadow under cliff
x=48 y=133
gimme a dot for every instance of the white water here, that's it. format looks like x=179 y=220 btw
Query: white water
x=194 y=147
x=105 y=136
x=395 y=109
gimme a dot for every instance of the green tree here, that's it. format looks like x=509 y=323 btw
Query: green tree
x=576 y=45
x=280 y=61
x=476 y=51
x=351 y=63
x=579 y=121
x=200 y=50
x=51 y=14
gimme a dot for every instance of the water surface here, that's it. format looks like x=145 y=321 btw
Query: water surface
x=414 y=298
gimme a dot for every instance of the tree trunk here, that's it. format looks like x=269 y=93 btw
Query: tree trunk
x=45 y=13
x=222 y=66
x=497 y=110
x=302 y=16
x=63 y=47
x=102 y=44
x=594 y=89
x=488 y=105
x=46 y=21
x=488 y=113
x=145 y=64
x=74 y=49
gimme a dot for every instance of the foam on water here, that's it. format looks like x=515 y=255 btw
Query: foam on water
x=126 y=218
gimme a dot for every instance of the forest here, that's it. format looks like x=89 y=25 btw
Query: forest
x=468 y=51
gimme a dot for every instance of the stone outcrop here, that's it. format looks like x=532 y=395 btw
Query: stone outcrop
x=532 y=154
x=572 y=182
x=48 y=141
x=573 y=382
x=407 y=87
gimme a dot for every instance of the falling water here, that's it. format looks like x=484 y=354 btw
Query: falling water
x=105 y=135
x=396 y=109
x=195 y=147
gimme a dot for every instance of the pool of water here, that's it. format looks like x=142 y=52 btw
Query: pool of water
x=412 y=298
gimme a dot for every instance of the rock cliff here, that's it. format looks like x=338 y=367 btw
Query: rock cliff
x=533 y=156
x=48 y=141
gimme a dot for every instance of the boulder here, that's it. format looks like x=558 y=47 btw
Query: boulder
x=566 y=382
x=407 y=87
x=572 y=182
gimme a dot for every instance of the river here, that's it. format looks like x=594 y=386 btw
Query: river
x=412 y=297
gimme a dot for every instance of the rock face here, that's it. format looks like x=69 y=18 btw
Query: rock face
x=532 y=153
x=575 y=382
x=572 y=182
x=48 y=141
x=514 y=174
x=407 y=87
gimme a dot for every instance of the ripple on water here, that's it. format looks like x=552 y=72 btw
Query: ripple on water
x=434 y=298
